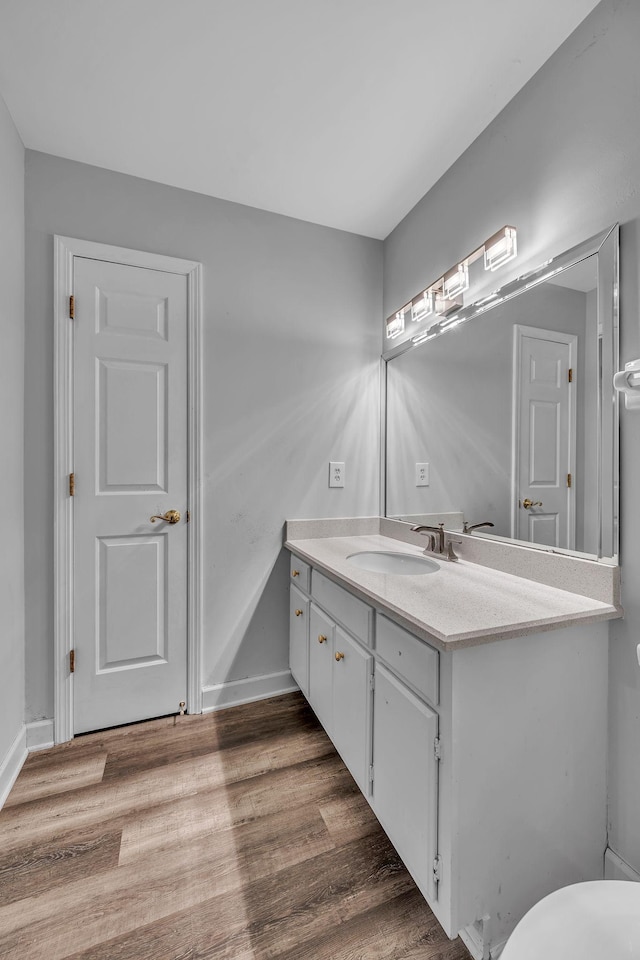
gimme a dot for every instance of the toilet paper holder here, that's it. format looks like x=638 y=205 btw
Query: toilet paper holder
x=627 y=381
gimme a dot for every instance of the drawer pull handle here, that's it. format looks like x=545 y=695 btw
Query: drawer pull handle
x=298 y=613
x=321 y=639
x=339 y=656
x=295 y=573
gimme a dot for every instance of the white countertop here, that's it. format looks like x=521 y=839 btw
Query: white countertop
x=460 y=605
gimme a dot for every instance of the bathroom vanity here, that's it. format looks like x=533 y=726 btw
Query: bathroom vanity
x=470 y=706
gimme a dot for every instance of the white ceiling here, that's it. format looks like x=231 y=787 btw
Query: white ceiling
x=341 y=112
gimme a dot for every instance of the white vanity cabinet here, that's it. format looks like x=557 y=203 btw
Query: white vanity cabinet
x=299 y=638
x=351 y=730
x=338 y=669
x=320 y=695
x=488 y=761
x=405 y=791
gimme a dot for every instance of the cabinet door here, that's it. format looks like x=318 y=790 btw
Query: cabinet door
x=405 y=776
x=299 y=638
x=352 y=671
x=321 y=631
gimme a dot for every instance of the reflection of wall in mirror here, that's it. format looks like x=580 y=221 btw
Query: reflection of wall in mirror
x=450 y=404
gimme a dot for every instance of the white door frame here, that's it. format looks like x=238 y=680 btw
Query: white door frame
x=520 y=331
x=65 y=249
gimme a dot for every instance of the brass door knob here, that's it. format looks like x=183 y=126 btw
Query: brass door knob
x=321 y=638
x=171 y=516
x=295 y=573
x=339 y=657
x=527 y=504
x=298 y=613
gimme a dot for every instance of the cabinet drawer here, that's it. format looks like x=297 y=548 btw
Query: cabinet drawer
x=300 y=573
x=412 y=659
x=348 y=610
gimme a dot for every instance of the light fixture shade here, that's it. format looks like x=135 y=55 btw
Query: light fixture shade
x=422 y=307
x=455 y=282
x=395 y=325
x=501 y=248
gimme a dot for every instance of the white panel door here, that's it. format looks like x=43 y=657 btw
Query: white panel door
x=544 y=437
x=130 y=463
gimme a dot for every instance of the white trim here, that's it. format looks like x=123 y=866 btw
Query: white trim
x=615 y=868
x=196 y=528
x=12 y=764
x=39 y=735
x=570 y=340
x=234 y=692
x=65 y=249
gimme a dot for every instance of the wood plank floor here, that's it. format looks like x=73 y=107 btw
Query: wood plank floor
x=237 y=835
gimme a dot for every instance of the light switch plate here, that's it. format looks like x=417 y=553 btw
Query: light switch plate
x=336 y=474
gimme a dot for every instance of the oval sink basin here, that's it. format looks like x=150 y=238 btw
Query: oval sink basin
x=405 y=564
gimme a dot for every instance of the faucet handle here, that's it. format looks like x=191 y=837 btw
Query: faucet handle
x=451 y=555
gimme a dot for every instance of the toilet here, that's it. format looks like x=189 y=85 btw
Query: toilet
x=596 y=920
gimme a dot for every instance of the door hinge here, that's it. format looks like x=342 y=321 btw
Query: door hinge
x=570 y=375
x=372 y=681
x=72 y=484
x=437 y=748
x=72 y=307
x=437 y=869
x=72 y=661
x=371 y=774
x=188 y=516
x=569 y=480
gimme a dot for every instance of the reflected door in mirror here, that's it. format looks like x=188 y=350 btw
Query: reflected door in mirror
x=545 y=436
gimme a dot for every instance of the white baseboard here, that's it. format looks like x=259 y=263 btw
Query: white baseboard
x=39 y=735
x=235 y=692
x=615 y=868
x=12 y=763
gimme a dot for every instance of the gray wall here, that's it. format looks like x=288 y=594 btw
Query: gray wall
x=291 y=376
x=11 y=431
x=561 y=162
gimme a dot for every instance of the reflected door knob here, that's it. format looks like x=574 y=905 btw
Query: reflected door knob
x=527 y=504
x=171 y=516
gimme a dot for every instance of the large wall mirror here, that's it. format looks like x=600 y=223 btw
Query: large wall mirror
x=508 y=416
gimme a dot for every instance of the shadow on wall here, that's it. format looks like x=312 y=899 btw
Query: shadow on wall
x=272 y=466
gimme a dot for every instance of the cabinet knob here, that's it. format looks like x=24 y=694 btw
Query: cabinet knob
x=298 y=613
x=339 y=656
x=321 y=639
x=295 y=573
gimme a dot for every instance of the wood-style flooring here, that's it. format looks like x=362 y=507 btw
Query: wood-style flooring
x=237 y=835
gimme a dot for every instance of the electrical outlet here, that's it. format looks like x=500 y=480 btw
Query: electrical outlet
x=336 y=474
x=422 y=474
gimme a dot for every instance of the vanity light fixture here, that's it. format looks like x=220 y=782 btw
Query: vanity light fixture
x=395 y=324
x=444 y=296
x=456 y=281
x=422 y=306
x=500 y=248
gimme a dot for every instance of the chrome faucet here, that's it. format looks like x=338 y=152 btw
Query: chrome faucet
x=468 y=527
x=437 y=542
